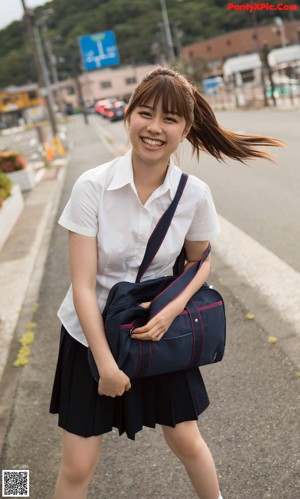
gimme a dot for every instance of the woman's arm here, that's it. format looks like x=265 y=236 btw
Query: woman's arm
x=83 y=266
x=159 y=324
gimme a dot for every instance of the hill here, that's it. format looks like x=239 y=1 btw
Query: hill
x=137 y=25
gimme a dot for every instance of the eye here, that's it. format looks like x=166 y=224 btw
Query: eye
x=170 y=119
x=146 y=114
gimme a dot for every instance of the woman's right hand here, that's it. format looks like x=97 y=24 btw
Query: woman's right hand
x=114 y=384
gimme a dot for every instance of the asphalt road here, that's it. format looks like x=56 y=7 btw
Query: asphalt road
x=261 y=198
x=252 y=425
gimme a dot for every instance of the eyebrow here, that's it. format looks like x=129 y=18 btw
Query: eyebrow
x=152 y=108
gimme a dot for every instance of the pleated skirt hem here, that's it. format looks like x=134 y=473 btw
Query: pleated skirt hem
x=166 y=399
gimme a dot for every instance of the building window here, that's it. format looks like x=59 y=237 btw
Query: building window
x=208 y=48
x=32 y=95
x=70 y=91
x=228 y=42
x=105 y=84
x=131 y=80
x=254 y=36
x=247 y=76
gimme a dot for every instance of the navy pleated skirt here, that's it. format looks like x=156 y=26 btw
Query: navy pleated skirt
x=165 y=399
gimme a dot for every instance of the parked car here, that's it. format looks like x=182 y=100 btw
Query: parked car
x=102 y=105
x=116 y=111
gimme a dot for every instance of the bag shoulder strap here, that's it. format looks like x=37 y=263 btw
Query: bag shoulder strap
x=177 y=285
x=154 y=243
x=161 y=229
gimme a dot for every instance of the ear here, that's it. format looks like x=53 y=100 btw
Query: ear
x=185 y=133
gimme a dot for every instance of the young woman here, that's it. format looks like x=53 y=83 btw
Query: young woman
x=110 y=216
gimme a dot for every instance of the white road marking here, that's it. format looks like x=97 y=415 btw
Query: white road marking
x=275 y=280
x=265 y=272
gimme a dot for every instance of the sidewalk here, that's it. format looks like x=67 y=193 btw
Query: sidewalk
x=25 y=246
x=22 y=264
x=255 y=395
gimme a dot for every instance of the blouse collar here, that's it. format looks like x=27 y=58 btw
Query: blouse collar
x=123 y=175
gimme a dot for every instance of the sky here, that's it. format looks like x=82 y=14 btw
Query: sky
x=12 y=10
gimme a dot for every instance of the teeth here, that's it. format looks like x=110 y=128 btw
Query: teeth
x=152 y=142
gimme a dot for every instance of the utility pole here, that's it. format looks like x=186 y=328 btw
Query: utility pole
x=42 y=73
x=262 y=57
x=280 y=26
x=52 y=62
x=167 y=30
x=177 y=36
x=270 y=73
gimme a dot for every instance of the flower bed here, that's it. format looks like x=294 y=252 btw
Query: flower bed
x=14 y=165
x=25 y=179
x=9 y=213
x=5 y=187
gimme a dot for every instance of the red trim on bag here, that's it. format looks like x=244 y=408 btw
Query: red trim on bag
x=179 y=292
x=211 y=305
x=173 y=282
x=205 y=255
x=194 y=338
x=203 y=334
x=131 y=325
x=128 y=326
x=204 y=307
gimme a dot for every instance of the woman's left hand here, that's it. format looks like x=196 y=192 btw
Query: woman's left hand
x=159 y=324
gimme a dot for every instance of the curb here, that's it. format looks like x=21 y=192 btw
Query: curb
x=35 y=261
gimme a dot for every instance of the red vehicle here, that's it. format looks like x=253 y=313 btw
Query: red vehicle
x=116 y=111
x=102 y=105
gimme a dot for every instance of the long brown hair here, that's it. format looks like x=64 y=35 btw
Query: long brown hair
x=179 y=95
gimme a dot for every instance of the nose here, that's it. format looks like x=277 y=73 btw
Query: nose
x=154 y=126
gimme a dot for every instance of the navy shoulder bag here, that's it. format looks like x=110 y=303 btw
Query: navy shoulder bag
x=196 y=337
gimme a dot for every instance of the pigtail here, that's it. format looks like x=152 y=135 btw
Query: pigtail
x=207 y=135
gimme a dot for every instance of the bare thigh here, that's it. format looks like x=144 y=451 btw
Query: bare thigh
x=80 y=455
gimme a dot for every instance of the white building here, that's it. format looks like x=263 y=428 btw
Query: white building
x=284 y=56
x=243 y=69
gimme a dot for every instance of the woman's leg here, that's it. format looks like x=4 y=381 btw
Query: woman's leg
x=188 y=445
x=79 y=459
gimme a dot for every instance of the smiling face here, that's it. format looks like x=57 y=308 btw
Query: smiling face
x=159 y=115
x=155 y=133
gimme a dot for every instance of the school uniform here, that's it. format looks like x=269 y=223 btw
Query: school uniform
x=104 y=205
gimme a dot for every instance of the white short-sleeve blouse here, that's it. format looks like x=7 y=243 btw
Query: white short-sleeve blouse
x=104 y=204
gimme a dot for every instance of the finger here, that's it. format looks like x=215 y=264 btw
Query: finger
x=140 y=330
x=144 y=329
x=145 y=304
x=149 y=335
x=142 y=336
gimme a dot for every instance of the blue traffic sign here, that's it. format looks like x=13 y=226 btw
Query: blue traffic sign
x=99 y=50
